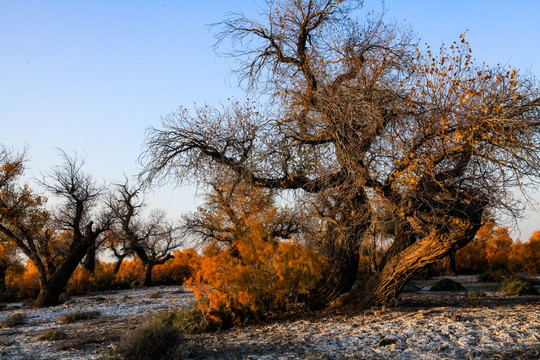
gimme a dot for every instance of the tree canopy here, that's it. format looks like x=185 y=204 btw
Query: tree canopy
x=368 y=128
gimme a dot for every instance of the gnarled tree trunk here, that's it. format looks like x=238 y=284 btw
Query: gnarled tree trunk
x=342 y=248
x=383 y=287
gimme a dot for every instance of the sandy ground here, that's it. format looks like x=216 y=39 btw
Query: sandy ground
x=425 y=325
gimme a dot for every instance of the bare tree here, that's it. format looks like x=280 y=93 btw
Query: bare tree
x=152 y=241
x=360 y=119
x=38 y=231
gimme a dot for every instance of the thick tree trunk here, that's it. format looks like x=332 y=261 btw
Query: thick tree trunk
x=451 y=263
x=340 y=277
x=148 y=274
x=342 y=251
x=3 y=271
x=52 y=288
x=89 y=262
x=384 y=286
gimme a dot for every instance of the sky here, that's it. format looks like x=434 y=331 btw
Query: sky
x=91 y=76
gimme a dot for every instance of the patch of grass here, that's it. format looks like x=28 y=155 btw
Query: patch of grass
x=3 y=306
x=77 y=343
x=51 y=335
x=447 y=285
x=127 y=297
x=14 y=320
x=476 y=295
x=517 y=286
x=78 y=316
x=186 y=321
x=152 y=340
x=155 y=294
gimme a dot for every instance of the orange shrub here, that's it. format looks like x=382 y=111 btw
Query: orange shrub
x=27 y=281
x=130 y=271
x=81 y=282
x=526 y=256
x=265 y=276
x=177 y=270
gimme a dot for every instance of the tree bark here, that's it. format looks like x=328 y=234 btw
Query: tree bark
x=384 y=286
x=117 y=264
x=89 y=262
x=148 y=274
x=342 y=249
x=3 y=271
x=52 y=288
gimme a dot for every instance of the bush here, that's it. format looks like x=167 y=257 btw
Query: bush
x=153 y=340
x=517 y=286
x=53 y=335
x=265 y=277
x=447 y=285
x=77 y=316
x=186 y=321
x=476 y=295
x=14 y=320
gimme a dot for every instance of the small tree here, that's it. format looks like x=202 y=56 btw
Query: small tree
x=152 y=241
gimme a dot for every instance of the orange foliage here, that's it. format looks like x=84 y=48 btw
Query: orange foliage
x=265 y=276
x=178 y=269
x=129 y=272
x=27 y=283
x=526 y=256
x=493 y=249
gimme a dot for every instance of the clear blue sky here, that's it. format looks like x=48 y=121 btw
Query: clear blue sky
x=91 y=76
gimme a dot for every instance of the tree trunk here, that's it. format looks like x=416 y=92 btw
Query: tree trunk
x=117 y=264
x=3 y=271
x=148 y=274
x=340 y=277
x=451 y=263
x=89 y=262
x=52 y=288
x=342 y=249
x=384 y=286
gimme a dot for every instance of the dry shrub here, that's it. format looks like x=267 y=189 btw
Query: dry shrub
x=80 y=283
x=27 y=283
x=186 y=320
x=447 y=285
x=13 y=320
x=265 y=276
x=52 y=335
x=153 y=340
x=78 y=316
x=518 y=287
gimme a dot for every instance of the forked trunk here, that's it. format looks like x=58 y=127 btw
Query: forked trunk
x=384 y=286
x=52 y=288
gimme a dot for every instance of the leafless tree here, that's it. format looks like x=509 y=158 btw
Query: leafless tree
x=152 y=241
x=359 y=119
